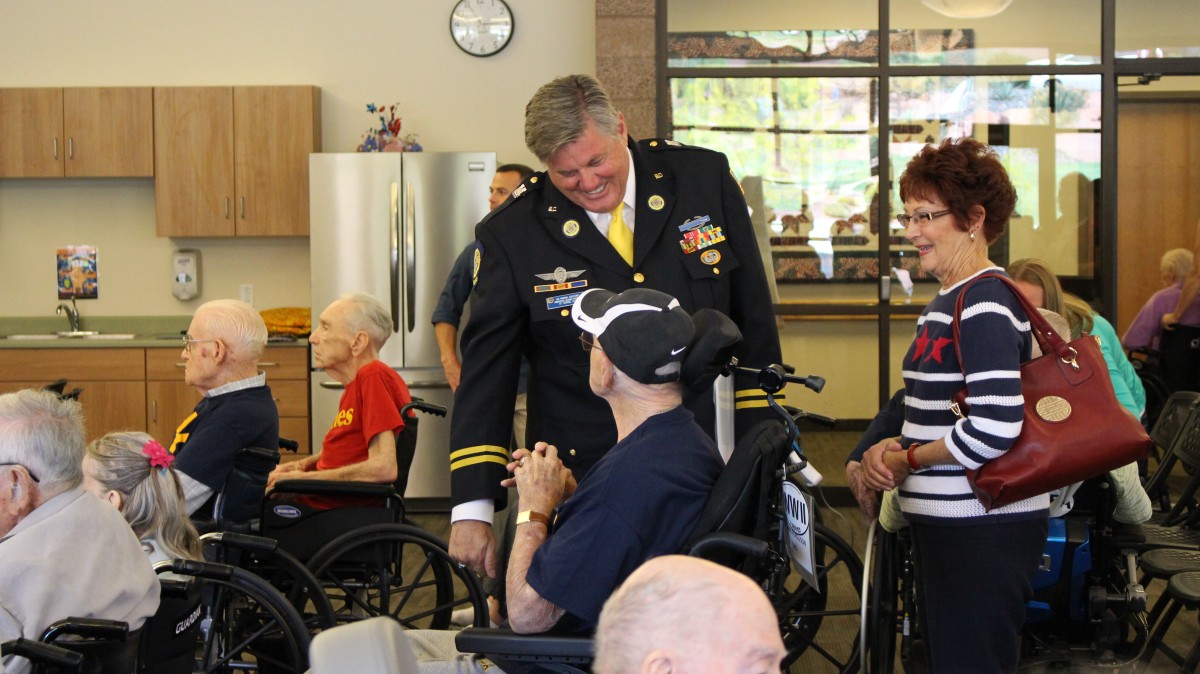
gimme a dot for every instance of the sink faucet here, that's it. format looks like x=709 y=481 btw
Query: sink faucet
x=72 y=314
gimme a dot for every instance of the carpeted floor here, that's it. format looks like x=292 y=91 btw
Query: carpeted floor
x=827 y=451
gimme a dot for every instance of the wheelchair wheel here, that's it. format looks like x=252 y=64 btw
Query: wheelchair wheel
x=263 y=558
x=399 y=571
x=821 y=626
x=245 y=624
x=882 y=621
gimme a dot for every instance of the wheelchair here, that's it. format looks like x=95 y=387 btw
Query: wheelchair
x=1088 y=609
x=756 y=522
x=342 y=551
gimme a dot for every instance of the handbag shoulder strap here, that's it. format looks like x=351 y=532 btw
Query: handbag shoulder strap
x=1048 y=339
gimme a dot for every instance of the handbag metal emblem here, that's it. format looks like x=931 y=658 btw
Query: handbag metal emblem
x=1053 y=409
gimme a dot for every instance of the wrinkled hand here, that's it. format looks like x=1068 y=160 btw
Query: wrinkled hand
x=281 y=471
x=884 y=465
x=540 y=447
x=473 y=543
x=1169 y=321
x=868 y=499
x=541 y=479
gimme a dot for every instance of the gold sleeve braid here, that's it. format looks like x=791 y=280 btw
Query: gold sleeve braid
x=469 y=456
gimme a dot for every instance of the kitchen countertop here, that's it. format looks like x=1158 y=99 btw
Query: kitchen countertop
x=148 y=332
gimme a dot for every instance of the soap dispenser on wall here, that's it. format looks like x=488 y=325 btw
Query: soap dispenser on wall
x=185 y=280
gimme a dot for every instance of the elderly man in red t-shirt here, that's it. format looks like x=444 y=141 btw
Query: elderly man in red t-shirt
x=361 y=444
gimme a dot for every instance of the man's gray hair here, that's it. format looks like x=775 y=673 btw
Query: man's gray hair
x=238 y=325
x=558 y=113
x=1177 y=261
x=370 y=315
x=45 y=434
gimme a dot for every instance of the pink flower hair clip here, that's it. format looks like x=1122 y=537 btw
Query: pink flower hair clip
x=159 y=457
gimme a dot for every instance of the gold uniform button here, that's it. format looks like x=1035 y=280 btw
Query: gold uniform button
x=638 y=278
x=572 y=452
x=534 y=179
x=565 y=312
x=654 y=143
x=716 y=271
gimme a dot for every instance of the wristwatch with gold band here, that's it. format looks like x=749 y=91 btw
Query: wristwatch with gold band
x=533 y=516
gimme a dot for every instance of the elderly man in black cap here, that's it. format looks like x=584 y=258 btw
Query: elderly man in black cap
x=641 y=499
x=574 y=546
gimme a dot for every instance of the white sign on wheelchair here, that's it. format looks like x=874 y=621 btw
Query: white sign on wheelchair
x=798 y=508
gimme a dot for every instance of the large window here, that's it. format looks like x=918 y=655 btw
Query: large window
x=809 y=101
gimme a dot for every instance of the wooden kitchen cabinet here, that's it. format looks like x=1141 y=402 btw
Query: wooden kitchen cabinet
x=112 y=382
x=233 y=161
x=169 y=400
x=77 y=132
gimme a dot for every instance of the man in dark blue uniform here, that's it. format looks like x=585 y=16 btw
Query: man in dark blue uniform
x=608 y=213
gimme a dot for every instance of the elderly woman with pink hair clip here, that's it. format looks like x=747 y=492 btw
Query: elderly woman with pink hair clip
x=133 y=472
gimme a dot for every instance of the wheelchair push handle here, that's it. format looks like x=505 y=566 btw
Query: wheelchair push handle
x=772 y=378
x=422 y=406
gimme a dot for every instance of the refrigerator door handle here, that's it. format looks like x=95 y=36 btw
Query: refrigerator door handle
x=394 y=257
x=335 y=385
x=410 y=256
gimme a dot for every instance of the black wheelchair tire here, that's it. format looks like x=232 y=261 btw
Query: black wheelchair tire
x=424 y=599
x=249 y=626
x=811 y=627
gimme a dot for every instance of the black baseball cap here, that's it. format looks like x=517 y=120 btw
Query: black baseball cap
x=645 y=333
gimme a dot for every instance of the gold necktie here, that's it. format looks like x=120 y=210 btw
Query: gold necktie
x=619 y=234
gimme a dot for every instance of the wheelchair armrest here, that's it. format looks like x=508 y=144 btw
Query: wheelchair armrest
x=41 y=653
x=91 y=628
x=246 y=542
x=512 y=646
x=724 y=541
x=289 y=444
x=334 y=488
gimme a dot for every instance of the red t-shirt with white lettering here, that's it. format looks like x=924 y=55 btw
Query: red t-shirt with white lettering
x=369 y=406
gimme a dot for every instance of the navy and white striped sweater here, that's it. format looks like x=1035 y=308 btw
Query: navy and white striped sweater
x=996 y=339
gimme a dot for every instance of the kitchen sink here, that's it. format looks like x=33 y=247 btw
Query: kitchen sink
x=75 y=335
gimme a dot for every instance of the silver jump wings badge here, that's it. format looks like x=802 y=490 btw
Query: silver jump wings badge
x=559 y=275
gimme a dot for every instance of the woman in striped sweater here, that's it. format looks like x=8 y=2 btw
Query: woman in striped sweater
x=974 y=567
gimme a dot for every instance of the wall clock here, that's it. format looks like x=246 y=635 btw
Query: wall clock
x=481 y=27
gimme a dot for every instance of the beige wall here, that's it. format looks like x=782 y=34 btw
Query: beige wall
x=381 y=51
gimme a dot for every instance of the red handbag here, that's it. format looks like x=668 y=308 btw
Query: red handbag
x=1074 y=428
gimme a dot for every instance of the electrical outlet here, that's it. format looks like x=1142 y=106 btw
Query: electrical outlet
x=246 y=292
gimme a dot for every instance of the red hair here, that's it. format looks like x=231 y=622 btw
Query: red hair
x=962 y=173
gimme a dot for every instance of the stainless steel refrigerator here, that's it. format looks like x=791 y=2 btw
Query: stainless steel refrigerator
x=392 y=224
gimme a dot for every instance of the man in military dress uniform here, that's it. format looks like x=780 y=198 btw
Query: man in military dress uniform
x=608 y=213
